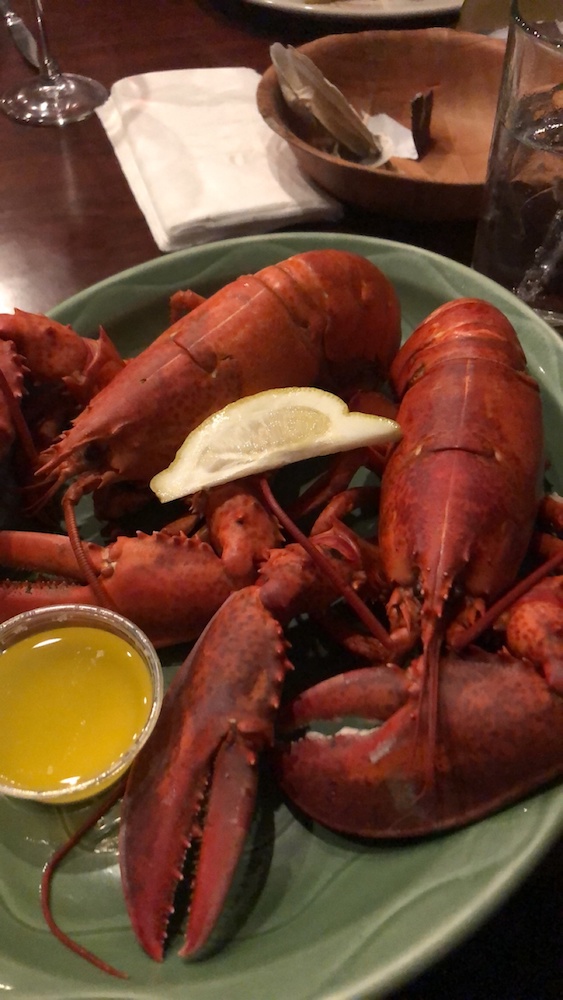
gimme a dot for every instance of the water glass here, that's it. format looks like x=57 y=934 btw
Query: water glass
x=52 y=97
x=519 y=239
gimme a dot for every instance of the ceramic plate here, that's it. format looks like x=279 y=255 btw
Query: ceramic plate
x=373 y=10
x=336 y=920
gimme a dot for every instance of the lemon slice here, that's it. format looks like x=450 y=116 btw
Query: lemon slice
x=262 y=432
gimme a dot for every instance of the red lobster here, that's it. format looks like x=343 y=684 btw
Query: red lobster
x=465 y=733
x=458 y=503
x=219 y=713
x=50 y=371
x=322 y=317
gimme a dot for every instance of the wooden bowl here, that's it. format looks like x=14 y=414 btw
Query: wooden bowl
x=381 y=71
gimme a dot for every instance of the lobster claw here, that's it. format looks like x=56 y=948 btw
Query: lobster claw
x=499 y=737
x=195 y=781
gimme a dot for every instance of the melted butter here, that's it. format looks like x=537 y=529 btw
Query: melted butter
x=72 y=701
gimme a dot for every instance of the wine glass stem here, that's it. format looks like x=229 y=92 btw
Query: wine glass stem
x=49 y=66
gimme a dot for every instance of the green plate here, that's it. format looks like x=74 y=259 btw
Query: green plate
x=336 y=920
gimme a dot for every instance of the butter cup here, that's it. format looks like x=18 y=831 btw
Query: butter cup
x=30 y=623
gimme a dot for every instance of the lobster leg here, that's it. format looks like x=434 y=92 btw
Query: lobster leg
x=46 y=553
x=535 y=629
x=184 y=302
x=170 y=585
x=551 y=512
x=196 y=776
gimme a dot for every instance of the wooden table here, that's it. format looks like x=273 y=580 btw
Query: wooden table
x=62 y=189
x=68 y=219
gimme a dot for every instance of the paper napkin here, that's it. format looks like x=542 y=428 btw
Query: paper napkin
x=201 y=162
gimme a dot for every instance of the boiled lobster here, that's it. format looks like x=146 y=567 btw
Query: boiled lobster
x=325 y=317
x=450 y=484
x=50 y=373
x=458 y=502
x=331 y=318
x=456 y=732
x=319 y=318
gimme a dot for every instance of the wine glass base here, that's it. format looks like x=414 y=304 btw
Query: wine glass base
x=65 y=98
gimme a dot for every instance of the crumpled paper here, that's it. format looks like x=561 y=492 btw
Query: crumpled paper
x=332 y=123
x=201 y=162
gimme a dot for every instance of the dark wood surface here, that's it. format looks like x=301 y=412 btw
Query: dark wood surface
x=67 y=215
x=68 y=219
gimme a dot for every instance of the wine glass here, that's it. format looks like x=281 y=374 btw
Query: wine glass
x=52 y=97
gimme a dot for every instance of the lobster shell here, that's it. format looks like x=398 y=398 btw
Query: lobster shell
x=462 y=487
x=464 y=735
x=314 y=319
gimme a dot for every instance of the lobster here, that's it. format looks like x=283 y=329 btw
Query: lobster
x=459 y=497
x=456 y=724
x=323 y=317
x=50 y=372
x=332 y=318
x=422 y=770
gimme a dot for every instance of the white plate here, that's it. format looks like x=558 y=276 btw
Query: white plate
x=374 y=10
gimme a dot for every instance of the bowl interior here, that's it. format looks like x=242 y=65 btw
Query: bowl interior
x=382 y=71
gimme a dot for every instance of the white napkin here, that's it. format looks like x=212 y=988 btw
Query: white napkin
x=201 y=162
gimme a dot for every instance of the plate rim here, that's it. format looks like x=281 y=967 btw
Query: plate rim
x=309 y=240
x=355 y=9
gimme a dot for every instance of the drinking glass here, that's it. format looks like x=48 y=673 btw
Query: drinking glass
x=52 y=97
x=519 y=240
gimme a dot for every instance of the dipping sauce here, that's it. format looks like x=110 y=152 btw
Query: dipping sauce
x=73 y=699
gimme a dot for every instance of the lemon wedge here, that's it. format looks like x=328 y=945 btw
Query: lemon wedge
x=266 y=431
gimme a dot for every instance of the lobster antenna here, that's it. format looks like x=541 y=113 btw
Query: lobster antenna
x=348 y=593
x=69 y=501
x=333 y=480
x=522 y=587
x=47 y=879
x=430 y=698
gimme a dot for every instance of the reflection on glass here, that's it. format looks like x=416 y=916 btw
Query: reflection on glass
x=52 y=97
